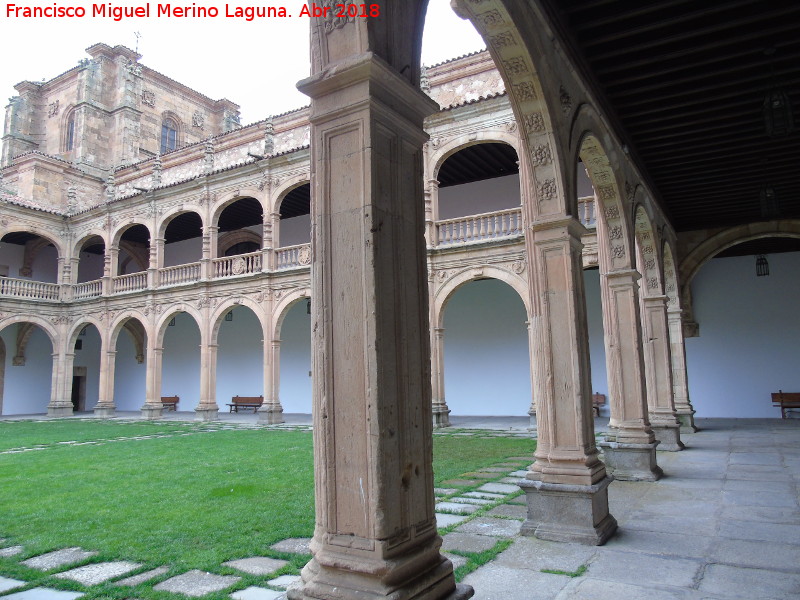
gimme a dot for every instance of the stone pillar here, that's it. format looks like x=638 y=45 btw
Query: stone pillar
x=110 y=260
x=156 y=261
x=432 y=212
x=207 y=409
x=105 y=406
x=268 y=249
x=441 y=413
x=629 y=446
x=152 y=404
x=60 y=401
x=209 y=252
x=661 y=407
x=375 y=535
x=567 y=485
x=531 y=368
x=271 y=412
x=680 y=387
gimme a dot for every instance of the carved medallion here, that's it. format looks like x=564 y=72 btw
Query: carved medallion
x=304 y=255
x=238 y=266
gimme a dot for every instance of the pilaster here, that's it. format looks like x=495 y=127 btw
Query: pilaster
x=375 y=535
x=680 y=387
x=60 y=404
x=441 y=413
x=152 y=405
x=105 y=406
x=207 y=409
x=271 y=412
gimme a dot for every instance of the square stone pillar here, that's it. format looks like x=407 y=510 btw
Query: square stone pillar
x=567 y=486
x=152 y=403
x=60 y=401
x=271 y=412
x=658 y=371
x=207 y=409
x=441 y=413
x=375 y=535
x=680 y=387
x=105 y=406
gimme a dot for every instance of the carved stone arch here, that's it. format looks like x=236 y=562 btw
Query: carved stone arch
x=231 y=238
x=701 y=254
x=76 y=329
x=169 y=216
x=218 y=316
x=68 y=113
x=446 y=290
x=286 y=187
x=119 y=231
x=648 y=248
x=162 y=322
x=32 y=250
x=38 y=321
x=451 y=147
x=671 y=285
x=78 y=246
x=613 y=228
x=135 y=323
x=231 y=198
x=282 y=308
x=24 y=333
x=135 y=252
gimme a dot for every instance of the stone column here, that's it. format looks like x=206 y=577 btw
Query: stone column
x=61 y=401
x=531 y=367
x=207 y=409
x=567 y=485
x=432 y=212
x=110 y=261
x=105 y=406
x=441 y=413
x=660 y=404
x=629 y=446
x=268 y=249
x=156 y=261
x=271 y=412
x=209 y=250
x=375 y=535
x=152 y=404
x=680 y=387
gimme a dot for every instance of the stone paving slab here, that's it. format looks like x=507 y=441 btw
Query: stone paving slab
x=471 y=500
x=499 y=488
x=445 y=520
x=284 y=581
x=490 y=526
x=484 y=495
x=468 y=542
x=510 y=480
x=142 y=577
x=739 y=582
x=755 y=498
x=457 y=560
x=293 y=546
x=57 y=558
x=522 y=473
x=257 y=593
x=196 y=583
x=481 y=475
x=761 y=513
x=9 y=584
x=515 y=511
x=444 y=491
x=43 y=594
x=536 y=554
x=492 y=582
x=461 y=482
x=765 y=532
x=257 y=565
x=588 y=588
x=652 y=521
x=520 y=500
x=745 y=553
x=633 y=568
x=10 y=551
x=99 y=572
x=495 y=470
x=461 y=509
x=658 y=543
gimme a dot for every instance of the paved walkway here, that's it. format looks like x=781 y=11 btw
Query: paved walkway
x=723 y=523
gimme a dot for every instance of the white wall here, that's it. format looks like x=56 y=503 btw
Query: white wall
x=90 y=267
x=479 y=197
x=183 y=252
x=594 y=318
x=486 y=359
x=44 y=267
x=180 y=362
x=27 y=388
x=240 y=362
x=296 y=230
x=129 y=375
x=295 y=392
x=749 y=344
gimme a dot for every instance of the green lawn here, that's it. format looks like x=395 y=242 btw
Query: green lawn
x=188 y=501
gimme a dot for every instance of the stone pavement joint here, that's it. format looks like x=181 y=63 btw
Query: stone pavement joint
x=9 y=584
x=257 y=565
x=43 y=594
x=257 y=593
x=142 y=577
x=284 y=581
x=196 y=583
x=293 y=546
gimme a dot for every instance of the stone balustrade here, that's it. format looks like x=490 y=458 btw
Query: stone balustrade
x=30 y=290
x=232 y=266
x=179 y=274
x=587 y=211
x=477 y=228
x=130 y=283
x=293 y=257
x=87 y=289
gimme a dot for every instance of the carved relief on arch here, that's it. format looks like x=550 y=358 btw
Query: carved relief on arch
x=649 y=268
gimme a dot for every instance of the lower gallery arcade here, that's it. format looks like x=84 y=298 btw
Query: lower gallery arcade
x=514 y=264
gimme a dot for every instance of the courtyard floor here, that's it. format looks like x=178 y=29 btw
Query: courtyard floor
x=724 y=522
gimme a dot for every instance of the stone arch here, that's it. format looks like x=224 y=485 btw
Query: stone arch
x=77 y=246
x=162 y=322
x=180 y=138
x=671 y=287
x=140 y=333
x=226 y=200
x=76 y=329
x=119 y=231
x=218 y=315
x=231 y=238
x=446 y=291
x=67 y=137
x=283 y=306
x=287 y=186
x=448 y=149
x=171 y=215
x=35 y=246
x=40 y=322
x=610 y=210
x=648 y=249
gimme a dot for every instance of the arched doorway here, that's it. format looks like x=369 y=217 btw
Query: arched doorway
x=28 y=364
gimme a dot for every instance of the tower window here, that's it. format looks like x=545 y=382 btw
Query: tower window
x=169 y=135
x=70 y=137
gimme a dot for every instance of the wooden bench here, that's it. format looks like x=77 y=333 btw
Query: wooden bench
x=170 y=402
x=598 y=400
x=253 y=402
x=787 y=401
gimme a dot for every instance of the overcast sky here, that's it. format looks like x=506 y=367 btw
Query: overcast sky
x=255 y=64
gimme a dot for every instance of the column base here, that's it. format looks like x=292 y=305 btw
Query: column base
x=563 y=512
x=60 y=411
x=206 y=414
x=271 y=416
x=669 y=437
x=441 y=418
x=151 y=412
x=686 y=419
x=326 y=583
x=631 y=462
x=105 y=412
x=533 y=426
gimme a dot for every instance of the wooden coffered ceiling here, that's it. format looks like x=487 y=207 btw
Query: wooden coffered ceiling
x=685 y=81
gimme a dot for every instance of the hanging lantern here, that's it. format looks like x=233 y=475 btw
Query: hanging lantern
x=762 y=266
x=777 y=110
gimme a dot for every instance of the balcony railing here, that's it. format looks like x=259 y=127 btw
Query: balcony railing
x=130 y=283
x=475 y=228
x=241 y=264
x=292 y=257
x=88 y=289
x=587 y=211
x=188 y=273
x=25 y=288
